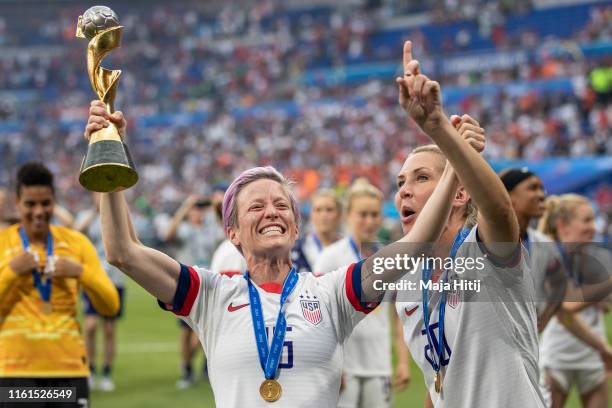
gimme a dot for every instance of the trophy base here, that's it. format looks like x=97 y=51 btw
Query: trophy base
x=107 y=167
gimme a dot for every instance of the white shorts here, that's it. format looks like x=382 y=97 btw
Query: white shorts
x=585 y=380
x=365 y=392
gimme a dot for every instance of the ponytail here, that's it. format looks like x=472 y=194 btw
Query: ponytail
x=548 y=222
x=559 y=209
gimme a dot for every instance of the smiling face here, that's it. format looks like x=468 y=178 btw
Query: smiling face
x=325 y=215
x=35 y=205
x=266 y=224
x=416 y=182
x=528 y=197
x=581 y=226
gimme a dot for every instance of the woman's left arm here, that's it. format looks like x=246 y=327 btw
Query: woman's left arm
x=421 y=98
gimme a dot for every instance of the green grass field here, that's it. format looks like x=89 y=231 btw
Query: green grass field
x=147 y=363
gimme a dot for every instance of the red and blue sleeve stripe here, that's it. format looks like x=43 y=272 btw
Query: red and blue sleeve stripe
x=229 y=274
x=186 y=292
x=353 y=289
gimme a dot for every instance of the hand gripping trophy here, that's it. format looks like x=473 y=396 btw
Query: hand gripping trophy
x=107 y=166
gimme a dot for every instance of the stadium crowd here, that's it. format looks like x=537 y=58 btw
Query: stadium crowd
x=179 y=62
x=273 y=85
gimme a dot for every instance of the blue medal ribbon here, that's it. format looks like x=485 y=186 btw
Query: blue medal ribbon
x=426 y=277
x=575 y=276
x=317 y=242
x=357 y=252
x=44 y=289
x=269 y=358
x=355 y=248
x=527 y=242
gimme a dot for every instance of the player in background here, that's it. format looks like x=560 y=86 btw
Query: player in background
x=5 y=217
x=261 y=218
x=456 y=338
x=325 y=214
x=194 y=229
x=567 y=360
x=526 y=191
x=88 y=222
x=367 y=352
x=226 y=260
x=42 y=267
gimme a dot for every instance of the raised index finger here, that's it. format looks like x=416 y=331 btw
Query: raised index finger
x=407 y=55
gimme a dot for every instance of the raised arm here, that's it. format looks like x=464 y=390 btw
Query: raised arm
x=64 y=216
x=431 y=221
x=179 y=216
x=427 y=229
x=155 y=271
x=82 y=225
x=421 y=98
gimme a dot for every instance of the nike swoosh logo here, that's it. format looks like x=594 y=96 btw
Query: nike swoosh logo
x=411 y=311
x=232 y=308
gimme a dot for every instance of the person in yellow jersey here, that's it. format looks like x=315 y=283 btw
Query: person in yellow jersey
x=42 y=267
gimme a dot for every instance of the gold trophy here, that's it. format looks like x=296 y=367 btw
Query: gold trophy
x=107 y=166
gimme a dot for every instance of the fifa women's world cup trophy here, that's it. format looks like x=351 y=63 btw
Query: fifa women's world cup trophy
x=107 y=166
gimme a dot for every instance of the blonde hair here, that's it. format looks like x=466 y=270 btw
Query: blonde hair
x=471 y=211
x=559 y=208
x=362 y=188
x=431 y=148
x=327 y=193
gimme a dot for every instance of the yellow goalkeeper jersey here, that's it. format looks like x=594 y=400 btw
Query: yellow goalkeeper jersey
x=38 y=341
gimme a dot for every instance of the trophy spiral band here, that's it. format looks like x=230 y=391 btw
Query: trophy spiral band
x=107 y=165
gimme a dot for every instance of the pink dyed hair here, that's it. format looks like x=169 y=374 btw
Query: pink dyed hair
x=230 y=204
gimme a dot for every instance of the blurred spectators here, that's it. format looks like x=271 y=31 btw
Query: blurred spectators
x=185 y=58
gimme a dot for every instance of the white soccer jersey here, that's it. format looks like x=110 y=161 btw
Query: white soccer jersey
x=312 y=250
x=367 y=352
x=227 y=260
x=546 y=266
x=491 y=347
x=305 y=253
x=320 y=313
x=559 y=348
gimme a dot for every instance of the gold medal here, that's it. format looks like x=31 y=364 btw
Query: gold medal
x=47 y=308
x=438 y=383
x=270 y=390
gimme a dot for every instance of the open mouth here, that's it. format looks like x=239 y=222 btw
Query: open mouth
x=272 y=229
x=407 y=214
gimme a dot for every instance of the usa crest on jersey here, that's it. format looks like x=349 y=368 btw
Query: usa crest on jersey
x=453 y=298
x=311 y=309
